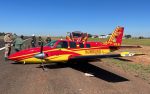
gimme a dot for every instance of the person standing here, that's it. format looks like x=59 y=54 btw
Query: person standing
x=40 y=40
x=48 y=39
x=14 y=36
x=8 y=41
x=18 y=43
x=33 y=41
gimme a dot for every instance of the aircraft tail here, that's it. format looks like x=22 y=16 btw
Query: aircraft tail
x=116 y=37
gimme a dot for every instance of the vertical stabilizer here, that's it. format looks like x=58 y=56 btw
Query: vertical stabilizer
x=116 y=37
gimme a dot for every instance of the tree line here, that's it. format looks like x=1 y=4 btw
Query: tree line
x=140 y=37
x=2 y=33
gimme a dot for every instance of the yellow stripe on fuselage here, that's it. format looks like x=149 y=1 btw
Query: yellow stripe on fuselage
x=89 y=51
x=64 y=57
x=56 y=58
x=32 y=60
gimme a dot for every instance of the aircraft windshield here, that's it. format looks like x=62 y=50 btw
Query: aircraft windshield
x=51 y=44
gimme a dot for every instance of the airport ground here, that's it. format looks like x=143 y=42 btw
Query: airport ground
x=130 y=75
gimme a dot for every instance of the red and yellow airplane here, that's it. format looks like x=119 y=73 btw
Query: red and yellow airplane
x=70 y=51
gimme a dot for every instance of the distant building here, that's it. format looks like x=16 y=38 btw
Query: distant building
x=105 y=36
x=94 y=36
x=101 y=36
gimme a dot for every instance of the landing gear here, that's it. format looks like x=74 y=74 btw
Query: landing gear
x=24 y=62
x=43 y=66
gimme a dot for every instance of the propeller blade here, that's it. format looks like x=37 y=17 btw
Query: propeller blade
x=41 y=55
x=41 y=48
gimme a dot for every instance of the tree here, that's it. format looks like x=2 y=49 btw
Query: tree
x=127 y=36
x=2 y=33
x=89 y=35
x=141 y=37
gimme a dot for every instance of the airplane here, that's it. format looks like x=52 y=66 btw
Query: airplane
x=68 y=50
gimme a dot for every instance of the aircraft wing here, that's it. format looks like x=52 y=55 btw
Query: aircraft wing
x=89 y=57
x=130 y=46
x=123 y=47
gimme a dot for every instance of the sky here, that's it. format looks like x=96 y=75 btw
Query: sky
x=56 y=17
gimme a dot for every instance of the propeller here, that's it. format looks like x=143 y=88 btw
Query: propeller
x=41 y=48
x=41 y=56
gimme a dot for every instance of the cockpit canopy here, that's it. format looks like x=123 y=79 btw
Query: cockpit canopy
x=67 y=44
x=51 y=44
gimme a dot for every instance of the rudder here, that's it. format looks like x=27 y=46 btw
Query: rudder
x=116 y=37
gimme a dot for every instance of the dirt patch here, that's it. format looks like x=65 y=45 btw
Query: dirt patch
x=143 y=59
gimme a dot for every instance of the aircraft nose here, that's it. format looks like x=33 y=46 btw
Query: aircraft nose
x=17 y=56
x=40 y=56
x=12 y=56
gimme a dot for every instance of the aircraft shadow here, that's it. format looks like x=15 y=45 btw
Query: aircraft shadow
x=20 y=63
x=89 y=68
x=55 y=65
x=122 y=59
x=17 y=63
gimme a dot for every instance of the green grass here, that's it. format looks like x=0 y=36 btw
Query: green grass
x=53 y=38
x=144 y=42
x=97 y=39
x=140 y=70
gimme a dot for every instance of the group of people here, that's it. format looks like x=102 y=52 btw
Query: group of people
x=18 y=42
x=40 y=40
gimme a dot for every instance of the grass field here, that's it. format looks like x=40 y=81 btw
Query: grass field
x=136 y=69
x=144 y=42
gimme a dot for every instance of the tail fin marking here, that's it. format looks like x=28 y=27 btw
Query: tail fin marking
x=116 y=37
